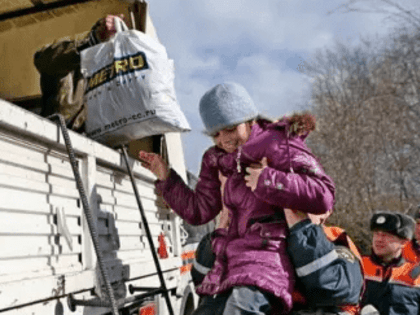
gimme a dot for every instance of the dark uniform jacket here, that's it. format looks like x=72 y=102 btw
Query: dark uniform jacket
x=328 y=266
x=62 y=83
x=392 y=288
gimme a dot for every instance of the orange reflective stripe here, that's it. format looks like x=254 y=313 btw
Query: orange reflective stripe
x=353 y=248
x=371 y=268
x=410 y=254
x=333 y=232
x=188 y=255
x=185 y=268
x=400 y=275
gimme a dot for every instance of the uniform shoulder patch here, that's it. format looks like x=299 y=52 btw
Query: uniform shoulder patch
x=345 y=253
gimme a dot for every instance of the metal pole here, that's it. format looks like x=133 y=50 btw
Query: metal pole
x=148 y=233
x=88 y=212
x=72 y=302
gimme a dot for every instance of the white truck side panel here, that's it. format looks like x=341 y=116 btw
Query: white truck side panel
x=39 y=267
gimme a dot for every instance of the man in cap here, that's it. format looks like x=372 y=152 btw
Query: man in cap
x=392 y=283
x=411 y=251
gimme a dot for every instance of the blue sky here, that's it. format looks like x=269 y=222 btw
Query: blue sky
x=258 y=44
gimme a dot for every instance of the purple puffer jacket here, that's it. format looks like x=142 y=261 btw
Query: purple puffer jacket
x=293 y=179
x=252 y=252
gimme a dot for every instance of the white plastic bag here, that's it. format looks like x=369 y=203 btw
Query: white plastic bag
x=130 y=91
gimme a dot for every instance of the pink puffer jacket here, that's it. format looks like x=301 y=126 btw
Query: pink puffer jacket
x=252 y=252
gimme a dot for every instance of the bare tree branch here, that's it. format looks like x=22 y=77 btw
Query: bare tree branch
x=366 y=100
x=391 y=9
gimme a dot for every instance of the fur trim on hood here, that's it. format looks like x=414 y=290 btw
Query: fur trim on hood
x=300 y=124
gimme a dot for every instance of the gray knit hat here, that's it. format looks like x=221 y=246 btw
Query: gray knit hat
x=226 y=105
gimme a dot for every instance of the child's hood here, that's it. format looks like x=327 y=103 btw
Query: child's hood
x=299 y=124
x=265 y=144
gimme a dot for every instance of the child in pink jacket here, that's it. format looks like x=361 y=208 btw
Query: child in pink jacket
x=267 y=167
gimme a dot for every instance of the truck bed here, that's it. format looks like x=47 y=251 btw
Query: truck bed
x=39 y=267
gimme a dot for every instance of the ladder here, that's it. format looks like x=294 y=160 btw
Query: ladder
x=72 y=302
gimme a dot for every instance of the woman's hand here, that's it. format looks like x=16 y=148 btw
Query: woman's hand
x=253 y=173
x=154 y=163
x=294 y=216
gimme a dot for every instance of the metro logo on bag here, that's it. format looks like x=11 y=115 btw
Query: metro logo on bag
x=130 y=91
x=118 y=67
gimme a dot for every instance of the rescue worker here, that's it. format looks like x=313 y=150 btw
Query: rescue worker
x=62 y=83
x=334 y=287
x=411 y=251
x=327 y=263
x=392 y=283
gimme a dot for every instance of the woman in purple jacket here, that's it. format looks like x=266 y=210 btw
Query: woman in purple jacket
x=267 y=167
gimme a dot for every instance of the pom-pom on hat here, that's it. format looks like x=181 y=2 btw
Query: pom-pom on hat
x=226 y=105
x=397 y=224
